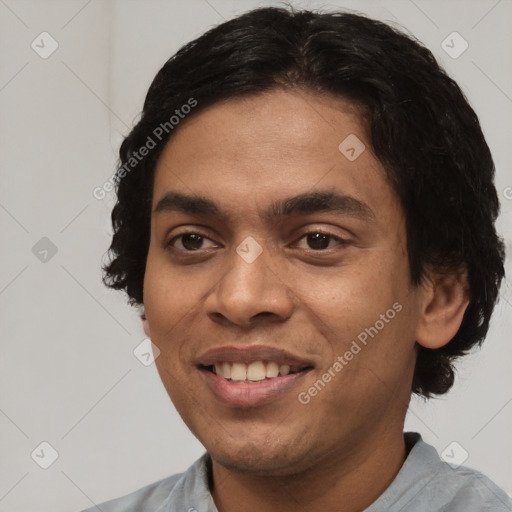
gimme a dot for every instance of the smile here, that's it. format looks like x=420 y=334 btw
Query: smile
x=251 y=375
x=255 y=371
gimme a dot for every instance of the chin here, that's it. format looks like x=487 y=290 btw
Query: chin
x=270 y=458
x=273 y=464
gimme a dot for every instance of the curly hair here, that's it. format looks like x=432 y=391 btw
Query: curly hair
x=422 y=130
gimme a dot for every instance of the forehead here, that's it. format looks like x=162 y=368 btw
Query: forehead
x=294 y=123
x=269 y=146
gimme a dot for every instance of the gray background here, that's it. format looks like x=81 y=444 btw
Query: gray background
x=68 y=375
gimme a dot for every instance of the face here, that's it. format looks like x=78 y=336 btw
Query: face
x=277 y=283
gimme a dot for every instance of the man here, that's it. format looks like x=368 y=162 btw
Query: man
x=306 y=214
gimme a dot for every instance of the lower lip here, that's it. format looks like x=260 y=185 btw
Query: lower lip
x=242 y=394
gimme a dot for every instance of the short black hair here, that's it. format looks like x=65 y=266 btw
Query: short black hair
x=422 y=130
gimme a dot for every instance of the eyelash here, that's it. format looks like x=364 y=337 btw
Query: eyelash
x=341 y=241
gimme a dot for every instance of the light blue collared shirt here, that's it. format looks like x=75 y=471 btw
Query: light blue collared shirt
x=424 y=484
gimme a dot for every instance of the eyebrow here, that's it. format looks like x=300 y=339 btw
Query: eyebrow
x=307 y=203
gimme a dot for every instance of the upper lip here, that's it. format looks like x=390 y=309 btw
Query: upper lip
x=249 y=353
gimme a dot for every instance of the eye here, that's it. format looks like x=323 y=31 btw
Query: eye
x=318 y=241
x=189 y=241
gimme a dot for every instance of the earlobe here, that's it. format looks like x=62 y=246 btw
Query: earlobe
x=446 y=298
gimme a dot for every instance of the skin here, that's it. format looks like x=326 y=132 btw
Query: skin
x=341 y=450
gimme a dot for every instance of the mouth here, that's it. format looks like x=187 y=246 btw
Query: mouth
x=255 y=371
x=251 y=376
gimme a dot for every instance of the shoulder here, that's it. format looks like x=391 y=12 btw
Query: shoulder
x=456 y=488
x=471 y=490
x=150 y=497
x=176 y=490
x=426 y=483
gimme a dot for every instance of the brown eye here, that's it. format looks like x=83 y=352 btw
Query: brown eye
x=188 y=242
x=318 y=241
x=191 y=241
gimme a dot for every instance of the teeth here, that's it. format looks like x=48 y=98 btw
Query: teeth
x=238 y=372
x=226 y=370
x=272 y=370
x=256 y=371
x=284 y=369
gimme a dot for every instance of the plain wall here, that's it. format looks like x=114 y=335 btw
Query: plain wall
x=68 y=375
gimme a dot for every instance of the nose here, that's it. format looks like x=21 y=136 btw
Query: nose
x=250 y=292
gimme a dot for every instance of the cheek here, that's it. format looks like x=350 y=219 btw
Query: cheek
x=366 y=313
x=354 y=296
x=167 y=308
x=182 y=391
x=167 y=299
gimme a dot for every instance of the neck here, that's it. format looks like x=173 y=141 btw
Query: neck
x=339 y=482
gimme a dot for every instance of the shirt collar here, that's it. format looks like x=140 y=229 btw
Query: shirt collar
x=420 y=467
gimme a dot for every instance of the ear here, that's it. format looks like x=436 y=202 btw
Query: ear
x=444 y=302
x=145 y=325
